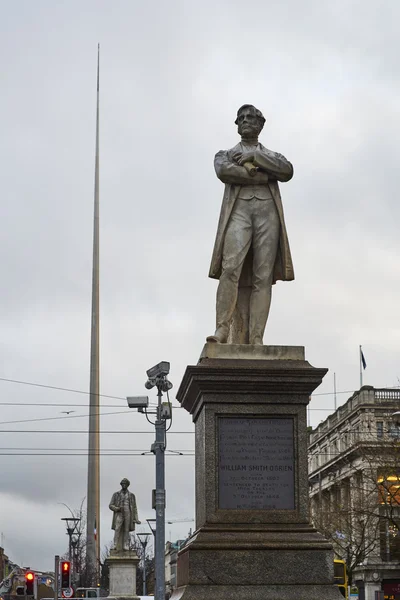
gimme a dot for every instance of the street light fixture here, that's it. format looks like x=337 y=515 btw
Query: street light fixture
x=143 y=539
x=157 y=377
x=150 y=523
x=71 y=525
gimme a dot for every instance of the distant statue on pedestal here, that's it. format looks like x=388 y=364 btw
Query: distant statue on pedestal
x=123 y=505
x=251 y=250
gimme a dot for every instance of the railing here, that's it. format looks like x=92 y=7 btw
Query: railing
x=387 y=394
x=382 y=394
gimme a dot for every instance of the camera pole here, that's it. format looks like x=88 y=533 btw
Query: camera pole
x=159 y=450
x=157 y=377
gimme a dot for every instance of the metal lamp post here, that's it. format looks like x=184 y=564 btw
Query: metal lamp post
x=157 y=377
x=143 y=539
x=71 y=525
x=74 y=543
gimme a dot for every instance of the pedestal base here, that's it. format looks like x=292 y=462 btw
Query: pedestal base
x=253 y=539
x=123 y=567
x=285 y=562
x=257 y=592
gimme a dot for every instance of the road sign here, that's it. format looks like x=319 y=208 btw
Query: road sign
x=68 y=592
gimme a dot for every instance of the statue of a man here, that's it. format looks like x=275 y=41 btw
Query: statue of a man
x=123 y=505
x=251 y=249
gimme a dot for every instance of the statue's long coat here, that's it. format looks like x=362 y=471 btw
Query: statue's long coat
x=117 y=501
x=227 y=171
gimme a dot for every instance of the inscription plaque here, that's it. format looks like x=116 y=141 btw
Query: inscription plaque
x=256 y=463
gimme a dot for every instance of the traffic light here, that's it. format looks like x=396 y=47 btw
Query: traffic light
x=29 y=583
x=65 y=574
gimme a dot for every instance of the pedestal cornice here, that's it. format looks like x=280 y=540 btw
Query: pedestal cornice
x=231 y=379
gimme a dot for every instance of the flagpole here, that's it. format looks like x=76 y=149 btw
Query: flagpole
x=361 y=374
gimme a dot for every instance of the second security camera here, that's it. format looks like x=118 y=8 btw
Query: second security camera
x=160 y=370
x=138 y=401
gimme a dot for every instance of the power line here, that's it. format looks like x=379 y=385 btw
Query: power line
x=86 y=414
x=61 y=405
x=85 y=432
x=85 y=449
x=120 y=412
x=145 y=453
x=56 y=387
x=132 y=453
x=112 y=451
x=74 y=391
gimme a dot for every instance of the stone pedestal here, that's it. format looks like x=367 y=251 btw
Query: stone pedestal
x=253 y=539
x=123 y=567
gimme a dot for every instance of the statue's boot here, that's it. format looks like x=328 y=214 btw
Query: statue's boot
x=220 y=336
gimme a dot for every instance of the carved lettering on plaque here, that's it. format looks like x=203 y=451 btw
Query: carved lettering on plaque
x=256 y=463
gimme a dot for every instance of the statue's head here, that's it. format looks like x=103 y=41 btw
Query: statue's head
x=125 y=483
x=249 y=120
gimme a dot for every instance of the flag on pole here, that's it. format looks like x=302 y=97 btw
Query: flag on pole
x=95 y=529
x=363 y=361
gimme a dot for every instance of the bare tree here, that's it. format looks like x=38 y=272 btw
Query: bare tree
x=144 y=555
x=81 y=575
x=363 y=518
x=351 y=529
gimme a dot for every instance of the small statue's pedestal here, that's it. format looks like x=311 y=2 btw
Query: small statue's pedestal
x=253 y=538
x=123 y=567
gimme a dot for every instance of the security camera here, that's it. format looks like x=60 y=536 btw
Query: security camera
x=160 y=370
x=138 y=401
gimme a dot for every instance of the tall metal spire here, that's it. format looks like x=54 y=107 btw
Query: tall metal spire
x=93 y=480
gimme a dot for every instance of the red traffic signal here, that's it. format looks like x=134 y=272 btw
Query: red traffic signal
x=29 y=583
x=65 y=574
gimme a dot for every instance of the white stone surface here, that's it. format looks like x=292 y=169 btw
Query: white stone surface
x=123 y=575
x=247 y=351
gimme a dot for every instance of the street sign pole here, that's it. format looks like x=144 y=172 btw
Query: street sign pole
x=56 y=575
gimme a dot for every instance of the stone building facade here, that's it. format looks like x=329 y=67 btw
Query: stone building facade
x=4 y=565
x=354 y=477
x=171 y=558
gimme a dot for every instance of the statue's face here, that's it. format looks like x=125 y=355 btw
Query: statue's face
x=247 y=122
x=124 y=485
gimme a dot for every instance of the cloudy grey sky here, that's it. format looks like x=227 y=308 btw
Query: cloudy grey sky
x=173 y=74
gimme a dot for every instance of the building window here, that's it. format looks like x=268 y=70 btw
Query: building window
x=394 y=431
x=379 y=429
